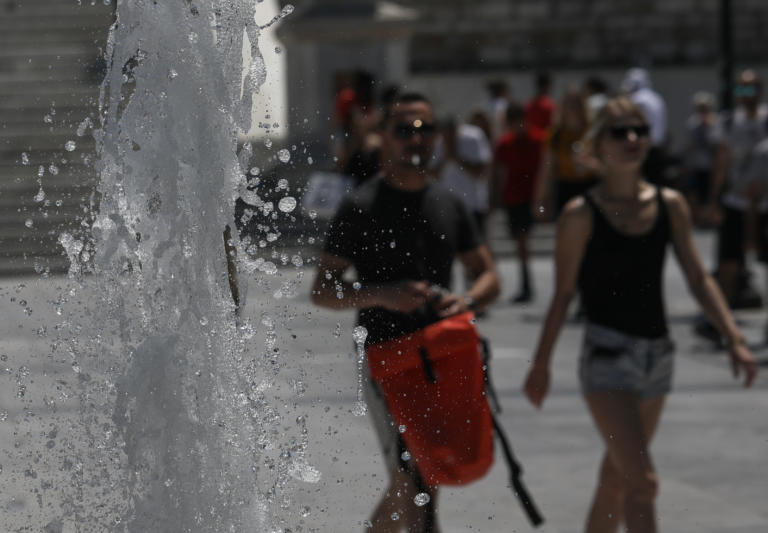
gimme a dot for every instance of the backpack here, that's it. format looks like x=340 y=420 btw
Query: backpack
x=434 y=383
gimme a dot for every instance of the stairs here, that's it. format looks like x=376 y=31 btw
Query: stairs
x=50 y=70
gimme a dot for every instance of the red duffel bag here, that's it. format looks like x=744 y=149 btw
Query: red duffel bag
x=434 y=385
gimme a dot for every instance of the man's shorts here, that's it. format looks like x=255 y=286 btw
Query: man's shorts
x=732 y=237
x=519 y=218
x=614 y=361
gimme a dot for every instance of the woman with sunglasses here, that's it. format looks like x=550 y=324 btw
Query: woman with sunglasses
x=611 y=244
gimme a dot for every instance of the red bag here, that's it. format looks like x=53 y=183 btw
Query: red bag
x=434 y=385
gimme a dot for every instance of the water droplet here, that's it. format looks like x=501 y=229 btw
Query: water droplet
x=40 y=196
x=394 y=516
x=268 y=142
x=24 y=158
x=312 y=214
x=337 y=330
x=297 y=261
x=84 y=125
x=269 y=268
x=357 y=285
x=203 y=321
x=310 y=160
x=401 y=428
x=284 y=155
x=172 y=74
x=70 y=146
x=392 y=244
x=255 y=171
x=359 y=334
x=287 y=204
x=541 y=209
x=405 y=456
x=192 y=37
x=48 y=119
x=278 y=50
x=28 y=223
x=287 y=10
x=40 y=171
x=53 y=169
x=421 y=499
x=305 y=512
x=59 y=203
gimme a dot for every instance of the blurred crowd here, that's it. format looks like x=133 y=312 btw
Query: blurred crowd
x=529 y=158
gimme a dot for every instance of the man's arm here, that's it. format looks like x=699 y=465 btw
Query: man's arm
x=331 y=291
x=484 y=290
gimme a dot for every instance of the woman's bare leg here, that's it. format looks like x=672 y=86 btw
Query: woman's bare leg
x=627 y=485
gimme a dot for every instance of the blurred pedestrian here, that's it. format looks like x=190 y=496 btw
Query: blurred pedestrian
x=516 y=161
x=738 y=177
x=637 y=85
x=611 y=245
x=566 y=166
x=362 y=151
x=703 y=138
x=467 y=167
x=401 y=233
x=596 y=94
x=498 y=100
x=540 y=110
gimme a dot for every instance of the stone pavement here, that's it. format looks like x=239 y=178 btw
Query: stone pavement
x=711 y=450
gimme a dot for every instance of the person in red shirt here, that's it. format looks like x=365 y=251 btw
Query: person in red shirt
x=540 y=111
x=516 y=160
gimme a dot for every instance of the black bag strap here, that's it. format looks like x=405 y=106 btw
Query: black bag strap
x=515 y=470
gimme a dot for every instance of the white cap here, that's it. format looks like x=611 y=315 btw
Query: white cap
x=472 y=145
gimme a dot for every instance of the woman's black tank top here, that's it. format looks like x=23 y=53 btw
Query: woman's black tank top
x=620 y=280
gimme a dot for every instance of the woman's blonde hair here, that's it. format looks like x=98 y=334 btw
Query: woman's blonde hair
x=613 y=109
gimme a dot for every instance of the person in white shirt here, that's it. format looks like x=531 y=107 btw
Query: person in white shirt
x=740 y=176
x=466 y=169
x=637 y=85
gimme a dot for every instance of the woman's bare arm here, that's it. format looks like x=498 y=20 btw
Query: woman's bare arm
x=573 y=231
x=704 y=288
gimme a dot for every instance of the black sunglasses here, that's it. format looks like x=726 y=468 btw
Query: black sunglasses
x=406 y=131
x=620 y=133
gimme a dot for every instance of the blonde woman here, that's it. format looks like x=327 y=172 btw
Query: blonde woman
x=611 y=244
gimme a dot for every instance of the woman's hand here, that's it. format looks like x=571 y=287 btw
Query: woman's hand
x=742 y=359
x=536 y=384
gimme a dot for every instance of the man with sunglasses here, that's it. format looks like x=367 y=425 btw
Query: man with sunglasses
x=738 y=183
x=401 y=232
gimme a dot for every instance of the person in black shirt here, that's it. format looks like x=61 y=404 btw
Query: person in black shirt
x=611 y=244
x=401 y=232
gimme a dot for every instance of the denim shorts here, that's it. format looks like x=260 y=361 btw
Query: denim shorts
x=614 y=361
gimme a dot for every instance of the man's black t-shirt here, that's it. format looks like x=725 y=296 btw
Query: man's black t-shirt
x=393 y=235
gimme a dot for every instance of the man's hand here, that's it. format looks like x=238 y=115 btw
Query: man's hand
x=403 y=296
x=451 y=304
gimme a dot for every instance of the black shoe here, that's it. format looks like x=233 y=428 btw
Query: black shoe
x=522 y=298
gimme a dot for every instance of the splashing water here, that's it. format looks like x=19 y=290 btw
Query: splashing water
x=174 y=422
x=359 y=334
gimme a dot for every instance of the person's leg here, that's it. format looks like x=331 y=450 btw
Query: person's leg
x=731 y=252
x=627 y=484
x=607 y=511
x=397 y=510
x=521 y=230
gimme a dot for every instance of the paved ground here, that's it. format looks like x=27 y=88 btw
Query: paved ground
x=711 y=451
